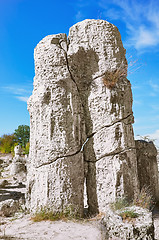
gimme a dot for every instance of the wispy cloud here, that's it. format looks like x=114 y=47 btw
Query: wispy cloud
x=141 y=20
x=137 y=102
x=155 y=136
x=23 y=99
x=21 y=93
x=154 y=86
x=16 y=90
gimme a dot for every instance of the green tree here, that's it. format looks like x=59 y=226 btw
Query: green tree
x=22 y=135
x=7 y=142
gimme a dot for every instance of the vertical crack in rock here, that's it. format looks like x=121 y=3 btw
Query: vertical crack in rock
x=65 y=51
x=91 y=173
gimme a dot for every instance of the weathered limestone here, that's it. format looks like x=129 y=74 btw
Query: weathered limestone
x=142 y=227
x=147 y=167
x=95 y=48
x=56 y=171
x=80 y=128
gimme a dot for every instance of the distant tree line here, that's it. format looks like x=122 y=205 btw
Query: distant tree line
x=20 y=136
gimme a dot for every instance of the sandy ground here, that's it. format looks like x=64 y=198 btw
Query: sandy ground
x=24 y=228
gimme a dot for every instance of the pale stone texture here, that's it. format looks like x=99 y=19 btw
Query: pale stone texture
x=56 y=170
x=142 y=227
x=79 y=127
x=147 y=167
x=95 y=47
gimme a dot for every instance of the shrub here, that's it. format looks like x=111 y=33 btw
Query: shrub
x=7 y=142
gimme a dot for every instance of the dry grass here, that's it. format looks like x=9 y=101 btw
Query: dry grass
x=46 y=214
x=144 y=199
x=98 y=217
x=128 y=215
x=110 y=78
x=120 y=203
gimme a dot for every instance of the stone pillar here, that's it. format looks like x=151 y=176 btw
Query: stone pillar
x=147 y=167
x=56 y=168
x=81 y=120
x=98 y=66
x=17 y=151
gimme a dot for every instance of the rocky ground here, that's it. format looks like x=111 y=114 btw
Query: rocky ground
x=20 y=226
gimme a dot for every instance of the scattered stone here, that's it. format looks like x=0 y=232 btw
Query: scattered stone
x=9 y=207
x=3 y=183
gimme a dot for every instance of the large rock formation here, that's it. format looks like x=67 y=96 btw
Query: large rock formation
x=81 y=120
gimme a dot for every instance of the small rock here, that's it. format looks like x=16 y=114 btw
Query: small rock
x=3 y=183
x=9 y=207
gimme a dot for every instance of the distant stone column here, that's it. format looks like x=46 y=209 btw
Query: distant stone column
x=18 y=166
x=147 y=167
x=17 y=151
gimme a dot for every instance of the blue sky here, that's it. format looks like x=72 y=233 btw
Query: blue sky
x=23 y=23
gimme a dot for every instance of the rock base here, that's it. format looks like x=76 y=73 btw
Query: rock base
x=113 y=227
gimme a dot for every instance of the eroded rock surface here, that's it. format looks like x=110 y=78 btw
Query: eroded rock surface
x=147 y=167
x=81 y=128
x=141 y=227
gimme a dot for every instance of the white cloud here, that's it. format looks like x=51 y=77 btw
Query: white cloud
x=16 y=90
x=137 y=102
x=23 y=99
x=145 y=38
x=155 y=136
x=141 y=20
x=154 y=86
x=21 y=93
x=150 y=137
